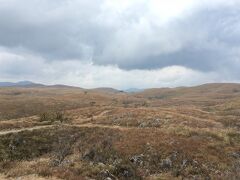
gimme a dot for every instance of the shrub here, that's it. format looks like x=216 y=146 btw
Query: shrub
x=62 y=148
x=103 y=153
x=53 y=117
x=126 y=170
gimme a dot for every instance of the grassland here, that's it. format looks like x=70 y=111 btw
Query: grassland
x=73 y=133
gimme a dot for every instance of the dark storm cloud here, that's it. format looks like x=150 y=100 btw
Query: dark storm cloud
x=52 y=30
x=206 y=39
x=209 y=41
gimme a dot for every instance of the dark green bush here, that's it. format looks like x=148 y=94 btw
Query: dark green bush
x=53 y=117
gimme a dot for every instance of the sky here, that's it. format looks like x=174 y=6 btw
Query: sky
x=120 y=43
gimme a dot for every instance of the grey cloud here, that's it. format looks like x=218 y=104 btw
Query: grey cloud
x=207 y=39
x=55 y=31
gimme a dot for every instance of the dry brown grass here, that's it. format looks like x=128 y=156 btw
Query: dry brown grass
x=174 y=133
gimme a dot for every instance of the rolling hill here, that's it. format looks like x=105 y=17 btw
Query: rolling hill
x=49 y=132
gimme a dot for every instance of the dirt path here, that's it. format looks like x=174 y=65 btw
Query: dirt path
x=27 y=177
x=24 y=129
x=85 y=120
x=101 y=114
x=88 y=125
x=207 y=120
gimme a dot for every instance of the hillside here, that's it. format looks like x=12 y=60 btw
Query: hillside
x=61 y=132
x=17 y=84
x=206 y=89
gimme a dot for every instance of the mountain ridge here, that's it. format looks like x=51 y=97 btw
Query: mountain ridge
x=202 y=87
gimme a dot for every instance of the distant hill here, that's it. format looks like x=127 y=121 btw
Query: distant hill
x=133 y=90
x=106 y=90
x=213 y=89
x=159 y=93
x=29 y=84
x=19 y=84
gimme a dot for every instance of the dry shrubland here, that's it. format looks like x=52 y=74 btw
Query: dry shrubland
x=182 y=133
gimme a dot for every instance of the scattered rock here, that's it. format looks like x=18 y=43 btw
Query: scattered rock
x=117 y=161
x=101 y=165
x=156 y=123
x=235 y=154
x=108 y=178
x=143 y=125
x=125 y=171
x=174 y=156
x=138 y=159
x=89 y=155
x=166 y=164
x=184 y=163
x=106 y=175
x=195 y=162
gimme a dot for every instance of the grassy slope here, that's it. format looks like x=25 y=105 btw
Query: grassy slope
x=196 y=129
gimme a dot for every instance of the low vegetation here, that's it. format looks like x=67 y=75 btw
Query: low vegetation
x=183 y=134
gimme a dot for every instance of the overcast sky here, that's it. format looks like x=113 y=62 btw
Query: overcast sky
x=120 y=43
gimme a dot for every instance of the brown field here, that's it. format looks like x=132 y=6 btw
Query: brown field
x=72 y=133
